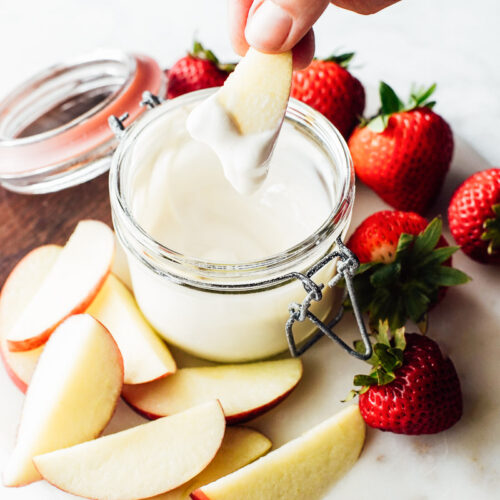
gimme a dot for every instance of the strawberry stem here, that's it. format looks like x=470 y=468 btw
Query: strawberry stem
x=386 y=359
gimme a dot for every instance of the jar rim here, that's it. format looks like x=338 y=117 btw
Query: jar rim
x=159 y=257
x=46 y=77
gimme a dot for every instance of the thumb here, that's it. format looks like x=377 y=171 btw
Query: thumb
x=278 y=25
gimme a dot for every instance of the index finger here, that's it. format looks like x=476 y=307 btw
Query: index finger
x=238 y=15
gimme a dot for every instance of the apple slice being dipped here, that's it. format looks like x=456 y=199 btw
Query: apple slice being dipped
x=71 y=397
x=242 y=120
x=240 y=446
x=19 y=288
x=244 y=390
x=304 y=468
x=145 y=356
x=255 y=94
x=140 y=462
x=69 y=287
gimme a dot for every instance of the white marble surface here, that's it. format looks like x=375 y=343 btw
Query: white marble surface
x=454 y=43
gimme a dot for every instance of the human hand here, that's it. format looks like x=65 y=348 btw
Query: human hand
x=280 y=25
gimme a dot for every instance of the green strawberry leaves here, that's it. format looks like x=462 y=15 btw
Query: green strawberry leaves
x=427 y=241
x=343 y=60
x=390 y=104
x=201 y=52
x=385 y=275
x=408 y=287
x=388 y=355
x=419 y=97
x=389 y=100
x=492 y=231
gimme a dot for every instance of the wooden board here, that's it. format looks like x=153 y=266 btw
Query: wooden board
x=28 y=221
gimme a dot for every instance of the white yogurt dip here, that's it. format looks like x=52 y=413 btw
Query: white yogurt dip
x=244 y=157
x=184 y=201
x=206 y=288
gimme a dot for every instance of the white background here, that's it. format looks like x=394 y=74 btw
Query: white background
x=455 y=43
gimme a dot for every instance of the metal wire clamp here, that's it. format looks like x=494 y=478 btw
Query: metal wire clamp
x=150 y=100
x=116 y=124
x=346 y=268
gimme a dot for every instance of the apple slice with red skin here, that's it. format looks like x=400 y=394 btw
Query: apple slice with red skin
x=140 y=462
x=19 y=288
x=240 y=446
x=70 y=286
x=304 y=468
x=71 y=397
x=244 y=390
x=146 y=356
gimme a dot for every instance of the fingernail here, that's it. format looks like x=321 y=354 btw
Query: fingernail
x=269 y=26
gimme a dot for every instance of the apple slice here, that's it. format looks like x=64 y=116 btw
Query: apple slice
x=244 y=391
x=19 y=288
x=240 y=446
x=145 y=356
x=69 y=287
x=140 y=462
x=255 y=95
x=71 y=397
x=304 y=468
x=241 y=122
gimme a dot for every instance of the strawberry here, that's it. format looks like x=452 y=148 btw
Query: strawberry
x=412 y=388
x=200 y=69
x=474 y=216
x=376 y=238
x=328 y=87
x=405 y=263
x=403 y=153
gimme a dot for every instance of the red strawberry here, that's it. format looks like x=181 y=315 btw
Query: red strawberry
x=200 y=69
x=328 y=87
x=474 y=216
x=405 y=265
x=404 y=153
x=412 y=388
x=376 y=238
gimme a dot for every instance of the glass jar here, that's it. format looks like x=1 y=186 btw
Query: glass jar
x=229 y=312
x=54 y=129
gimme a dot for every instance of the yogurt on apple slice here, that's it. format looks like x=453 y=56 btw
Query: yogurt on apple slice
x=242 y=120
x=244 y=157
